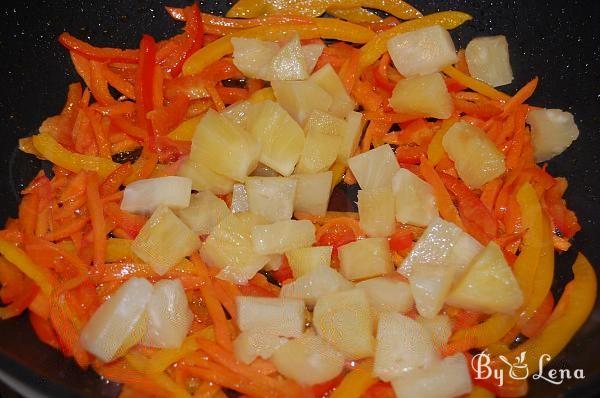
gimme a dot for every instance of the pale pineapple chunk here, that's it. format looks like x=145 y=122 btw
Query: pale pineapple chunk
x=282 y=236
x=488 y=60
x=403 y=345
x=312 y=192
x=229 y=248
x=414 y=199
x=352 y=134
x=275 y=262
x=254 y=57
x=305 y=259
x=430 y=285
x=447 y=378
x=289 y=63
x=280 y=137
x=164 y=241
x=375 y=168
x=204 y=179
x=272 y=315
x=314 y=284
x=376 y=212
x=387 y=295
x=250 y=345
x=300 y=98
x=328 y=80
x=422 y=51
x=324 y=134
x=344 y=320
x=312 y=52
x=224 y=147
x=239 y=199
x=365 y=258
x=239 y=112
x=144 y=196
x=440 y=327
x=271 y=197
x=475 y=156
x=204 y=213
x=552 y=131
x=488 y=285
x=423 y=95
x=264 y=171
x=465 y=249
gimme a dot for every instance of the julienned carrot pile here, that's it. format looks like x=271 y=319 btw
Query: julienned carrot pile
x=432 y=137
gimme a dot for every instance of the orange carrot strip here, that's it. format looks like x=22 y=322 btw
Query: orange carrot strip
x=114 y=180
x=103 y=54
x=67 y=333
x=118 y=82
x=216 y=98
x=226 y=293
x=444 y=202
x=28 y=212
x=490 y=192
x=99 y=85
x=349 y=71
x=65 y=230
x=520 y=97
x=118 y=109
x=99 y=128
x=97 y=218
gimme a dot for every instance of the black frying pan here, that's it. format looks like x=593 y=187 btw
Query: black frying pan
x=557 y=40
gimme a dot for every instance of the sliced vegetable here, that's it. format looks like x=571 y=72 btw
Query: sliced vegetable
x=365 y=258
x=276 y=316
x=144 y=196
x=271 y=197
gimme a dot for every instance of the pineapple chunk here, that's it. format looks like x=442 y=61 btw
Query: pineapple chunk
x=204 y=179
x=447 y=378
x=324 y=135
x=352 y=134
x=376 y=212
x=465 y=249
x=239 y=112
x=375 y=168
x=229 y=247
x=254 y=57
x=488 y=60
x=164 y=241
x=430 y=285
x=253 y=344
x=280 y=137
x=415 y=201
x=225 y=147
x=264 y=171
x=275 y=262
x=312 y=192
x=488 y=285
x=423 y=95
x=552 y=131
x=289 y=63
x=312 y=52
x=282 y=236
x=204 y=213
x=239 y=199
x=305 y=259
x=440 y=328
x=365 y=258
x=328 y=80
x=314 y=284
x=423 y=51
x=271 y=197
x=403 y=345
x=308 y=360
x=475 y=156
x=344 y=320
x=300 y=98
x=276 y=316
x=387 y=295
x=144 y=196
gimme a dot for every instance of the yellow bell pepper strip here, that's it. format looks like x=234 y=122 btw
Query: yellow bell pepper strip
x=117 y=249
x=247 y=9
x=26 y=145
x=51 y=150
x=435 y=150
x=356 y=382
x=570 y=313
x=185 y=131
x=480 y=392
x=326 y=28
x=354 y=15
x=377 y=46
x=475 y=85
x=139 y=363
x=338 y=169
x=41 y=276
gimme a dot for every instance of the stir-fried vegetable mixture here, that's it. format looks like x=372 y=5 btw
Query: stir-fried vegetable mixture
x=183 y=244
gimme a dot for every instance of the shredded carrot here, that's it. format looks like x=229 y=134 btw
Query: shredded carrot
x=443 y=200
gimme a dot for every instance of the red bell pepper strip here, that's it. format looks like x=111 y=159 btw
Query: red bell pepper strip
x=98 y=53
x=195 y=31
x=145 y=85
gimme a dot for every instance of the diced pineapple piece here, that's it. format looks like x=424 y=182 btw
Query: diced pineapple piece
x=280 y=137
x=465 y=249
x=264 y=171
x=204 y=213
x=271 y=197
x=308 y=360
x=282 y=236
x=375 y=168
x=252 y=344
x=344 y=320
x=403 y=345
x=422 y=51
x=430 y=285
x=262 y=95
x=488 y=60
x=488 y=285
x=365 y=258
x=224 y=147
x=312 y=52
x=475 y=156
x=239 y=199
x=239 y=112
x=305 y=259
x=204 y=179
x=415 y=201
x=289 y=63
x=328 y=80
x=164 y=241
x=229 y=247
x=278 y=316
x=376 y=212
x=312 y=192
x=552 y=131
x=144 y=196
x=423 y=95
x=324 y=134
x=300 y=98
x=447 y=378
x=352 y=134
x=387 y=295
x=314 y=284
x=254 y=57
x=440 y=328
x=275 y=262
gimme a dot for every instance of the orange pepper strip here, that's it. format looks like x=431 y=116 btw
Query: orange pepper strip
x=444 y=202
x=94 y=206
x=43 y=277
